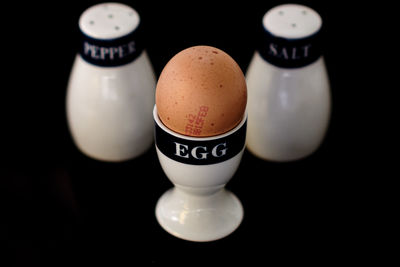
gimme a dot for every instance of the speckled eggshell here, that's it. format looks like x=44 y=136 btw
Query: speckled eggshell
x=201 y=92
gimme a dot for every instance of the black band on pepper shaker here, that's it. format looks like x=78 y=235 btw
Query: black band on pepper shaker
x=111 y=52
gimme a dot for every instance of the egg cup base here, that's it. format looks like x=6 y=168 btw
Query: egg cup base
x=199 y=218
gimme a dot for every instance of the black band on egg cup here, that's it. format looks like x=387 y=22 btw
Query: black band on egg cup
x=200 y=150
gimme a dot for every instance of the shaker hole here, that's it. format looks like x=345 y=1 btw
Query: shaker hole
x=281 y=13
x=294 y=25
x=304 y=12
x=110 y=16
x=116 y=28
x=91 y=22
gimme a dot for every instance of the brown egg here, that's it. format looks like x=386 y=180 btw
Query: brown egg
x=201 y=92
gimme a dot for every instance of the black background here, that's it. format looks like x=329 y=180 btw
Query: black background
x=61 y=208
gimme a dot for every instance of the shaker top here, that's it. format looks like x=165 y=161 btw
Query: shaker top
x=109 y=21
x=292 y=21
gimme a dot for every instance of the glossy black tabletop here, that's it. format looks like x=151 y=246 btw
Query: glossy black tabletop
x=61 y=208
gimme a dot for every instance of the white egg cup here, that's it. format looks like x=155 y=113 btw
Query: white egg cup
x=198 y=207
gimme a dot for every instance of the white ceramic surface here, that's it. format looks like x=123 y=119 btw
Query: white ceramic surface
x=198 y=208
x=288 y=108
x=109 y=109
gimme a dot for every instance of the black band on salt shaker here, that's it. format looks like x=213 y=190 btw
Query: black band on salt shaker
x=200 y=152
x=111 y=52
x=287 y=52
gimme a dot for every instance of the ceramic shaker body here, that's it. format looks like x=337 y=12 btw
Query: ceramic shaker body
x=110 y=95
x=289 y=100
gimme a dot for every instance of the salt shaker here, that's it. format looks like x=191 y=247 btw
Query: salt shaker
x=289 y=100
